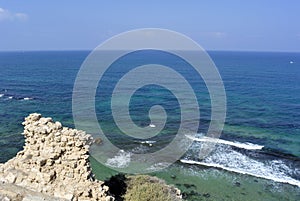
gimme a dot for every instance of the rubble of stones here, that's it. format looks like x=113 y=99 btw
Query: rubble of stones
x=54 y=162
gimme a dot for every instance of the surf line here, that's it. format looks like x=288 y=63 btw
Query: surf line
x=247 y=145
x=280 y=180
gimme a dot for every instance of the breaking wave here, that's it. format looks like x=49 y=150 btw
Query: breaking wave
x=246 y=145
x=226 y=158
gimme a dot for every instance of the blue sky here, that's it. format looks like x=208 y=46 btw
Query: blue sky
x=256 y=25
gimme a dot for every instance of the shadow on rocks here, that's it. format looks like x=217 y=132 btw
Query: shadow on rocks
x=117 y=186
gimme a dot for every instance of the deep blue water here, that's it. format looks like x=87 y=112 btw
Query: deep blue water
x=262 y=88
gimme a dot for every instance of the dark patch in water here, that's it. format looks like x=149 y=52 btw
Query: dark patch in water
x=189 y=185
x=238 y=184
x=194 y=193
x=184 y=195
x=207 y=195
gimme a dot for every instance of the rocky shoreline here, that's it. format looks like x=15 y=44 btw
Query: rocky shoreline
x=54 y=165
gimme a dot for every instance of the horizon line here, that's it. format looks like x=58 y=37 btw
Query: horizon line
x=208 y=50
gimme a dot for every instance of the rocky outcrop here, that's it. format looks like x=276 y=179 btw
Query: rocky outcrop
x=54 y=162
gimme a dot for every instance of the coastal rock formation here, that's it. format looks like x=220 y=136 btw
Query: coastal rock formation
x=54 y=163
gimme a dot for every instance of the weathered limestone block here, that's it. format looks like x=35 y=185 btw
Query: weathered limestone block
x=10 y=178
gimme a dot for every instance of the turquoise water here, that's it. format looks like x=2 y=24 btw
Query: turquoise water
x=263 y=107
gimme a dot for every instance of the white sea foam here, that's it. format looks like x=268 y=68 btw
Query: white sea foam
x=148 y=142
x=1 y=95
x=121 y=160
x=224 y=157
x=282 y=179
x=27 y=98
x=152 y=125
x=246 y=145
x=158 y=166
x=11 y=97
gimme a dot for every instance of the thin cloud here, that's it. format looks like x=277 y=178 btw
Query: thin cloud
x=11 y=16
x=217 y=34
x=214 y=34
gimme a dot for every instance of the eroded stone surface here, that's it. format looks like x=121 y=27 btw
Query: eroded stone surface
x=54 y=162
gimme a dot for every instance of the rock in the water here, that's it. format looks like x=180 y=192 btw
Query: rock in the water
x=207 y=195
x=238 y=184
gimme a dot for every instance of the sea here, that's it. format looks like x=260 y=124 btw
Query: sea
x=256 y=158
